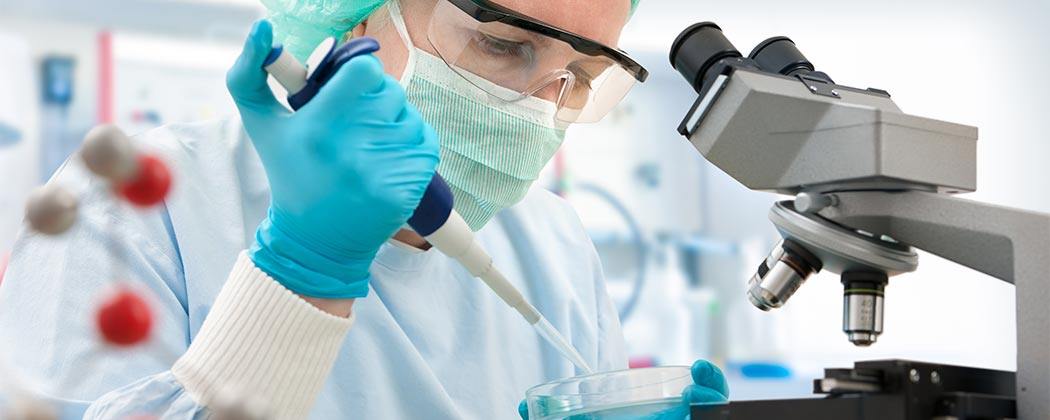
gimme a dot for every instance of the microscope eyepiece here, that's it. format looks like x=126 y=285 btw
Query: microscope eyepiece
x=780 y=55
x=697 y=49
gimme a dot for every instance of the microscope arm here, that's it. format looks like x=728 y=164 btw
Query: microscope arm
x=995 y=240
x=1009 y=244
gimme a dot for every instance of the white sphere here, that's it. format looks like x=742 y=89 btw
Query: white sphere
x=51 y=209
x=108 y=152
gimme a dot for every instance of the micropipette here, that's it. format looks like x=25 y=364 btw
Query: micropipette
x=434 y=219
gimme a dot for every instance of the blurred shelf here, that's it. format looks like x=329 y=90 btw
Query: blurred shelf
x=211 y=19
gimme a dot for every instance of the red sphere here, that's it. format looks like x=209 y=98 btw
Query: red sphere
x=124 y=319
x=149 y=185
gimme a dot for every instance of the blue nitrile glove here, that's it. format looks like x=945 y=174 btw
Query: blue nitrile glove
x=346 y=170
x=709 y=387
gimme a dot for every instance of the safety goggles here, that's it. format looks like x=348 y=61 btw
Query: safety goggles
x=513 y=57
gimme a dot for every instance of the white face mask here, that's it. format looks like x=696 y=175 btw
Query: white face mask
x=491 y=150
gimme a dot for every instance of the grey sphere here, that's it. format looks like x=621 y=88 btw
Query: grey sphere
x=51 y=209
x=108 y=152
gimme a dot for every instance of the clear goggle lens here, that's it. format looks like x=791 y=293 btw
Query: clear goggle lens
x=512 y=63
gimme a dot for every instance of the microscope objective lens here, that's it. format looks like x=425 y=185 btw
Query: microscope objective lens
x=862 y=306
x=781 y=274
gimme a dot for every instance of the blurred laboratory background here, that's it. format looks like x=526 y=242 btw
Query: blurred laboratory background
x=678 y=238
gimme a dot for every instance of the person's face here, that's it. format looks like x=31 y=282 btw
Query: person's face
x=600 y=20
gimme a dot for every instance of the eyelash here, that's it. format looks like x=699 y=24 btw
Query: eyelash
x=503 y=47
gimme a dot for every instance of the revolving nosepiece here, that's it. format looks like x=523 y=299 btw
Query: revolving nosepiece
x=862 y=306
x=781 y=274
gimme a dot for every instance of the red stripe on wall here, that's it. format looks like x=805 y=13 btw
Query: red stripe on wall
x=105 y=77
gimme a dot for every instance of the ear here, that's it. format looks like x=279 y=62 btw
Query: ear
x=359 y=30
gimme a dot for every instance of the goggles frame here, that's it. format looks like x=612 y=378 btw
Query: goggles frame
x=486 y=11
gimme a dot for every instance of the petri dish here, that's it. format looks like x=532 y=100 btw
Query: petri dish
x=621 y=394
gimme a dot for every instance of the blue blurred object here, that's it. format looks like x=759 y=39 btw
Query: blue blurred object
x=9 y=134
x=57 y=95
x=58 y=80
x=764 y=370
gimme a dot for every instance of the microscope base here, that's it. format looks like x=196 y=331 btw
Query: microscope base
x=887 y=390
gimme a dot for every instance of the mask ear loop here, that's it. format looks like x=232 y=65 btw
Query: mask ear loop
x=398 y=19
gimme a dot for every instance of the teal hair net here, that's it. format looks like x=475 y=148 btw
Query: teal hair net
x=301 y=24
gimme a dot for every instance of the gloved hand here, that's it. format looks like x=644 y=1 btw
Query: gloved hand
x=709 y=387
x=346 y=171
x=709 y=384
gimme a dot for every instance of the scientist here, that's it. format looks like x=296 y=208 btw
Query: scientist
x=280 y=271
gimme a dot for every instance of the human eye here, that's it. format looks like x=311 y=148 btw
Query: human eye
x=503 y=48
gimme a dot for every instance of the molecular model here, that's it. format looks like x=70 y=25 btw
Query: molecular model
x=124 y=317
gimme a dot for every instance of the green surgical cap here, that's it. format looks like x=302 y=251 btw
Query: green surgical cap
x=302 y=24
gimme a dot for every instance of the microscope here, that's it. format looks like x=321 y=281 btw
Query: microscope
x=871 y=184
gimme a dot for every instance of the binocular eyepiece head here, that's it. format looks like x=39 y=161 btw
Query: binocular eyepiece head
x=702 y=51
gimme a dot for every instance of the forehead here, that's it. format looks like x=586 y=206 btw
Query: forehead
x=600 y=20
